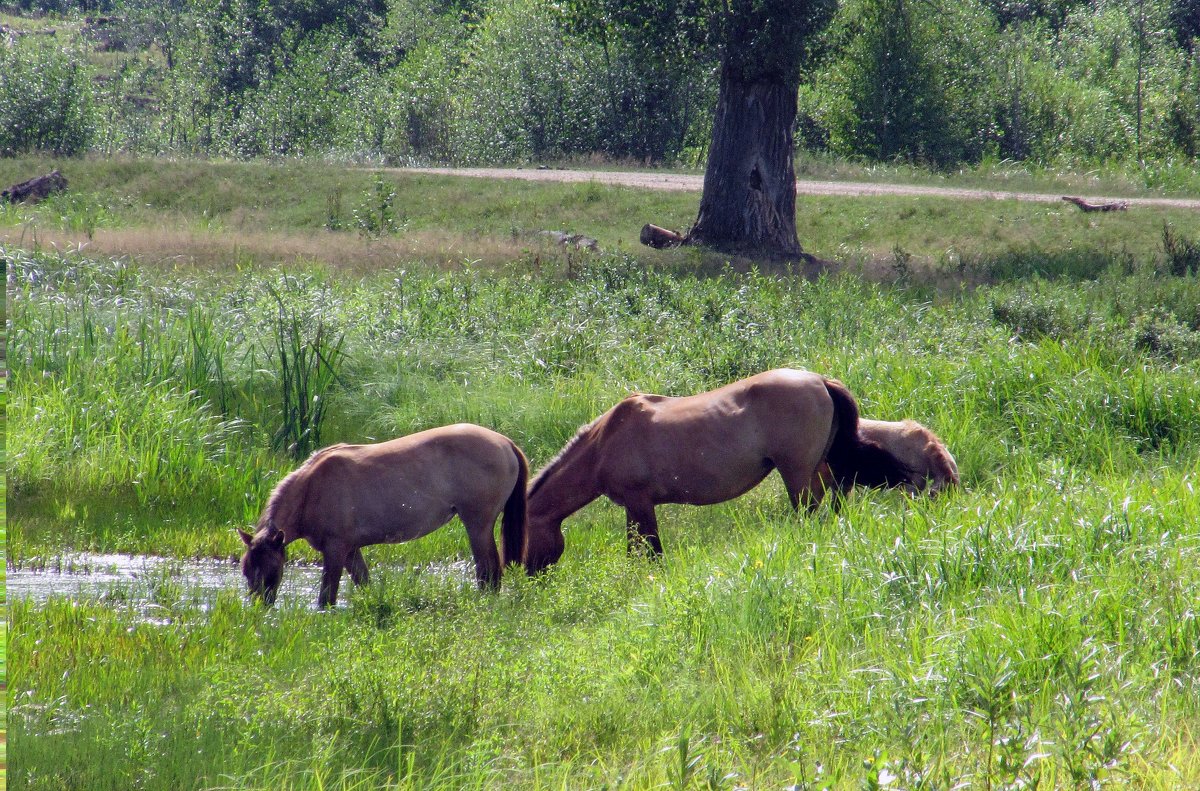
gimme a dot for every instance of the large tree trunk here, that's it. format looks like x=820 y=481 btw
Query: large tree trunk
x=749 y=201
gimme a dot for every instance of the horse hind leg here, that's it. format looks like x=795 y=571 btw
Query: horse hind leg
x=805 y=483
x=357 y=566
x=482 y=535
x=641 y=529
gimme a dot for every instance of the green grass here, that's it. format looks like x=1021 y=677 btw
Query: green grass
x=4 y=545
x=1035 y=629
x=218 y=215
x=1114 y=179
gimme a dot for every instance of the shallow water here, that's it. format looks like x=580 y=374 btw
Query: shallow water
x=135 y=579
x=143 y=581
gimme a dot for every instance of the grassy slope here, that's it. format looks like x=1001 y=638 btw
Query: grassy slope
x=1036 y=627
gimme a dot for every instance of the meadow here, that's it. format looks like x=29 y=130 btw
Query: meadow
x=181 y=333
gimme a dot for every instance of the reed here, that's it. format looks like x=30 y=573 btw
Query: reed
x=307 y=361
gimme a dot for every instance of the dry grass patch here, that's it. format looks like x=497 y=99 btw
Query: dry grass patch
x=217 y=249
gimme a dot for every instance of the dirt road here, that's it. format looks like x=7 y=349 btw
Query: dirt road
x=692 y=183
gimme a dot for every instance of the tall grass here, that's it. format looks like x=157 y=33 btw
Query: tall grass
x=307 y=362
x=1035 y=629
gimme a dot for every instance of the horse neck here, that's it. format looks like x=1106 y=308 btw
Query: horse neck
x=286 y=504
x=567 y=484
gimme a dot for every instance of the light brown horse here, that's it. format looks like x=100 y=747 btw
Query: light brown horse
x=933 y=468
x=346 y=497
x=704 y=449
x=930 y=466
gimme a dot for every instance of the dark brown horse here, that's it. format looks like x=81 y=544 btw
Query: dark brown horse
x=346 y=497
x=705 y=449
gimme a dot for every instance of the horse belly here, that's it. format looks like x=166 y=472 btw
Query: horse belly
x=399 y=519
x=697 y=476
x=707 y=485
x=418 y=521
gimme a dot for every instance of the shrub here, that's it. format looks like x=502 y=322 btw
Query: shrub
x=1032 y=316
x=1161 y=334
x=1182 y=253
x=46 y=99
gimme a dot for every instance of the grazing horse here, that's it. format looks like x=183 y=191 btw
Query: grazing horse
x=348 y=496
x=932 y=467
x=704 y=449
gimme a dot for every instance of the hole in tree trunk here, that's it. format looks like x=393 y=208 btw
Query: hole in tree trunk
x=756 y=180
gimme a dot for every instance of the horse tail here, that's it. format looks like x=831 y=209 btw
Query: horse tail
x=512 y=525
x=853 y=458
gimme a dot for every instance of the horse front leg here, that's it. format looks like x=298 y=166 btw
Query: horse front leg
x=805 y=483
x=641 y=529
x=825 y=482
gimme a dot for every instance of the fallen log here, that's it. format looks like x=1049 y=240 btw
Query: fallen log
x=572 y=240
x=35 y=189
x=1087 y=206
x=653 y=236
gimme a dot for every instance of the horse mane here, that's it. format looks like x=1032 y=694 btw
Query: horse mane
x=266 y=522
x=853 y=458
x=561 y=456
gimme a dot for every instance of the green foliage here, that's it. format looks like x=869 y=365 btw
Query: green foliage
x=46 y=99
x=318 y=99
x=894 y=93
x=532 y=87
x=1011 y=13
x=1184 y=18
x=1182 y=252
x=1048 y=81
x=961 y=82
x=376 y=213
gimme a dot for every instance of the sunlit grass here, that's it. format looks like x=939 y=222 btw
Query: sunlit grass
x=1036 y=629
x=218 y=215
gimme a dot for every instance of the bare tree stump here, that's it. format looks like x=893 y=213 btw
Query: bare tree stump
x=653 y=236
x=1086 y=206
x=35 y=189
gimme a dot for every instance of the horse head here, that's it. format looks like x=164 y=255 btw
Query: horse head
x=932 y=467
x=544 y=544
x=262 y=563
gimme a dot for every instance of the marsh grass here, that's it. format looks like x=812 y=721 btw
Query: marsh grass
x=1036 y=629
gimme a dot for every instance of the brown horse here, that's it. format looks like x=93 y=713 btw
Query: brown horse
x=705 y=449
x=933 y=468
x=346 y=497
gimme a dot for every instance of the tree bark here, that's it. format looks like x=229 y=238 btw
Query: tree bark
x=749 y=200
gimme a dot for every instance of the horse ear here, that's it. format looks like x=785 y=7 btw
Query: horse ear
x=246 y=537
x=276 y=536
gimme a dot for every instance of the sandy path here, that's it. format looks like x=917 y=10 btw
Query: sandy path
x=692 y=183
